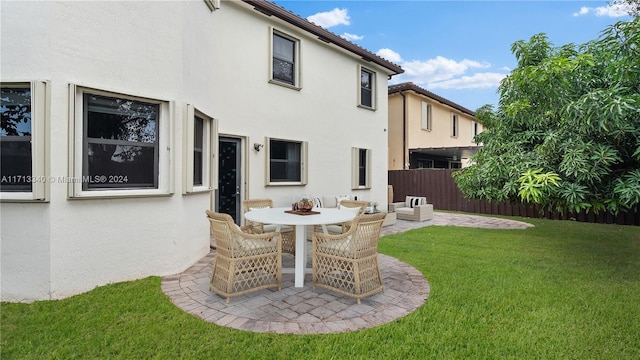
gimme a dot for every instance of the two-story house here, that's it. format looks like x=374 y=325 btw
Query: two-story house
x=428 y=131
x=122 y=122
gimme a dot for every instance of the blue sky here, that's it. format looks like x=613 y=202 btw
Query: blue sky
x=457 y=49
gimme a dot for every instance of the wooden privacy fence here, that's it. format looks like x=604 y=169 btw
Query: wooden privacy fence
x=442 y=191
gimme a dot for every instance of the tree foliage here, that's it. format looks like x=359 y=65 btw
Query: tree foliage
x=632 y=6
x=566 y=133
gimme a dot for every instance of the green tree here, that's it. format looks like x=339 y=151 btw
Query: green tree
x=566 y=133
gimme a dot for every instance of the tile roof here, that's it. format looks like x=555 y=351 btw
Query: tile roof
x=270 y=9
x=407 y=86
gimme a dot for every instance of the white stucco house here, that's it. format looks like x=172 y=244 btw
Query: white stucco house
x=122 y=122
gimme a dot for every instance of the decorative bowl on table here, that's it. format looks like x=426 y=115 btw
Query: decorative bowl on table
x=305 y=205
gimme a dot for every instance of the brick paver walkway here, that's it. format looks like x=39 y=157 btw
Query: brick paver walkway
x=316 y=311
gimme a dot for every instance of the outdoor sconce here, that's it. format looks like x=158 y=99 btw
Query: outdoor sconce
x=257 y=146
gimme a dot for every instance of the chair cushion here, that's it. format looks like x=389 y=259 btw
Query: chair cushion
x=342 y=247
x=334 y=229
x=272 y=227
x=248 y=247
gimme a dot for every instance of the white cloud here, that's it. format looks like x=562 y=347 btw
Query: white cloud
x=352 y=37
x=330 y=18
x=443 y=73
x=611 y=10
x=475 y=81
x=389 y=55
x=438 y=69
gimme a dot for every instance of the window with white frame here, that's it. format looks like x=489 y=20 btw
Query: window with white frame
x=286 y=162
x=200 y=141
x=426 y=116
x=454 y=125
x=285 y=65
x=366 y=94
x=24 y=115
x=125 y=145
x=360 y=168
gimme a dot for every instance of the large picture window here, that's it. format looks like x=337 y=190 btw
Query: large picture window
x=366 y=95
x=23 y=109
x=125 y=145
x=285 y=64
x=287 y=161
x=121 y=142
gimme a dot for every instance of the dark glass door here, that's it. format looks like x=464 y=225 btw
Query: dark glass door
x=229 y=181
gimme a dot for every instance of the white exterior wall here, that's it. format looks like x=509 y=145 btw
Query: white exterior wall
x=183 y=53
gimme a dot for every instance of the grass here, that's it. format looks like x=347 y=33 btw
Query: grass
x=560 y=290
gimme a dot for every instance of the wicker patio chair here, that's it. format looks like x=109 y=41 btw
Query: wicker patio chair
x=244 y=262
x=288 y=232
x=348 y=263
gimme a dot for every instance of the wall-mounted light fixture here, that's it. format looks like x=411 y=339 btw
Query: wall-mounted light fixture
x=257 y=146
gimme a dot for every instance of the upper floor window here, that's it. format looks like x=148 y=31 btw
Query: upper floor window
x=475 y=129
x=125 y=145
x=454 y=125
x=285 y=64
x=366 y=95
x=426 y=116
x=23 y=112
x=287 y=162
x=361 y=168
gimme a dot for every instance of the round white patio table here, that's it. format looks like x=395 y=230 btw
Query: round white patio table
x=279 y=217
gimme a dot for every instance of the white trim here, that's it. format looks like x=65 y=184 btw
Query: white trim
x=297 y=73
x=304 y=151
x=209 y=143
x=355 y=169
x=40 y=117
x=374 y=92
x=76 y=148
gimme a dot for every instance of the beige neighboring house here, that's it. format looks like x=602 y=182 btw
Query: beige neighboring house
x=428 y=131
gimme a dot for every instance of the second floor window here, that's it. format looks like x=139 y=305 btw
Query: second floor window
x=454 y=125
x=284 y=67
x=367 y=86
x=426 y=116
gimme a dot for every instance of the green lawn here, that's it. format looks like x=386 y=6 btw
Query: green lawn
x=560 y=290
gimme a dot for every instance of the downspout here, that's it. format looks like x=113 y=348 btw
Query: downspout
x=404 y=131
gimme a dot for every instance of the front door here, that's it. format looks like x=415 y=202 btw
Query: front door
x=229 y=178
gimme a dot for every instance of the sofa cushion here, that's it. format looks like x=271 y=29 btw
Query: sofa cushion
x=329 y=202
x=354 y=210
x=342 y=197
x=405 y=211
x=413 y=201
x=317 y=202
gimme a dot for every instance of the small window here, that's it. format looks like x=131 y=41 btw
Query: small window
x=199 y=165
x=454 y=125
x=23 y=110
x=361 y=168
x=284 y=55
x=425 y=164
x=476 y=129
x=366 y=95
x=426 y=116
x=455 y=165
x=287 y=161
x=125 y=145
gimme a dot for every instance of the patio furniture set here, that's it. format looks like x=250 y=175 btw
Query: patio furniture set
x=344 y=246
